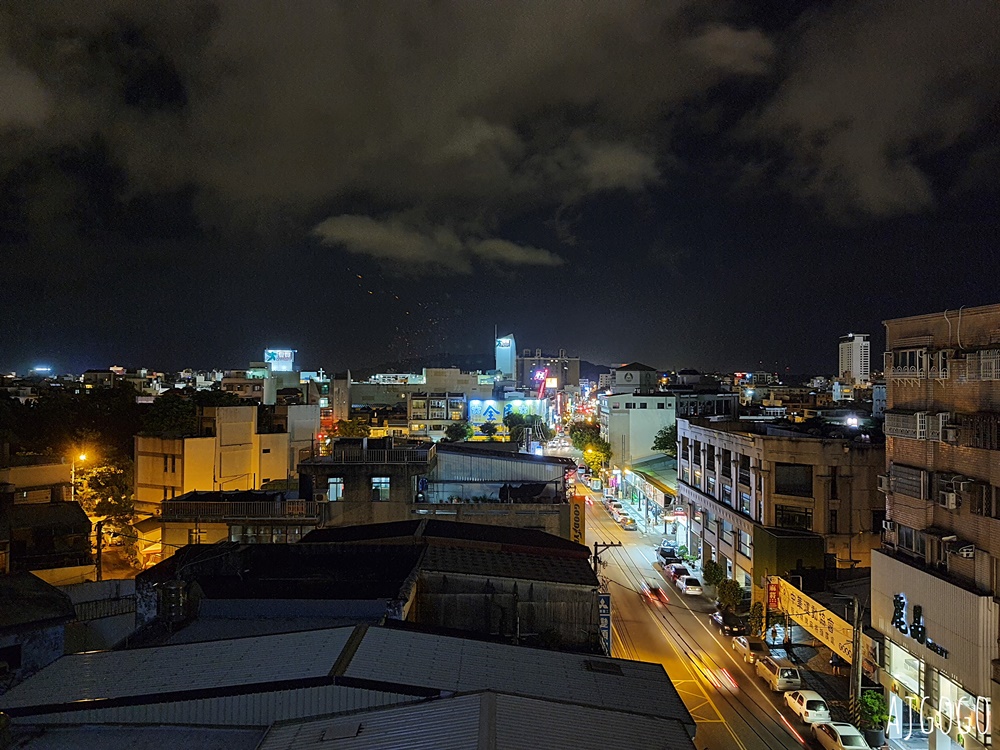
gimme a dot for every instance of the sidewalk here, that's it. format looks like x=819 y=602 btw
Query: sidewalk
x=813 y=659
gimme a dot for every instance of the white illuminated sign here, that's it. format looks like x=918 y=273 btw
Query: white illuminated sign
x=281 y=360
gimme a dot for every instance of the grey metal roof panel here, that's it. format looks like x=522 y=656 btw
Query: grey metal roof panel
x=449 y=724
x=497 y=563
x=136 y=738
x=530 y=724
x=447 y=663
x=480 y=721
x=178 y=668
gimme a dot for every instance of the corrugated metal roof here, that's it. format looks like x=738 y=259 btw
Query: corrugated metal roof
x=241 y=710
x=482 y=720
x=185 y=667
x=446 y=663
x=497 y=563
x=136 y=738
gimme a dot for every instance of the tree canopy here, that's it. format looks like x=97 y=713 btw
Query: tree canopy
x=457 y=432
x=489 y=429
x=730 y=594
x=665 y=440
x=352 y=428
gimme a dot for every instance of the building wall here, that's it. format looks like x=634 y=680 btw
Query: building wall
x=942 y=377
x=754 y=495
x=39 y=648
x=630 y=430
x=469 y=602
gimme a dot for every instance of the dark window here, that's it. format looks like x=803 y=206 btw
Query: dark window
x=878 y=518
x=793 y=479
x=266 y=450
x=833 y=522
x=790 y=517
x=710 y=458
x=833 y=483
x=727 y=465
x=696 y=458
x=11 y=656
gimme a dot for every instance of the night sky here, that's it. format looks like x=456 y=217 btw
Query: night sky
x=685 y=183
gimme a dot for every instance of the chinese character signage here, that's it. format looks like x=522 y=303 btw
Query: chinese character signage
x=604 y=621
x=914 y=627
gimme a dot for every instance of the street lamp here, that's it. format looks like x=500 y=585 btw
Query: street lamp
x=72 y=475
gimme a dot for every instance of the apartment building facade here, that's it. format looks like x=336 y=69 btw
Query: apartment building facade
x=740 y=479
x=935 y=581
x=233 y=449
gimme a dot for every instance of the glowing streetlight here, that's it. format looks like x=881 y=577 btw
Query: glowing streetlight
x=72 y=475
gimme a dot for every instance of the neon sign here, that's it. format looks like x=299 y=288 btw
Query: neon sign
x=915 y=628
x=963 y=715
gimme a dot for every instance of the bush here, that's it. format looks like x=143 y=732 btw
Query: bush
x=713 y=572
x=874 y=712
x=729 y=594
x=755 y=622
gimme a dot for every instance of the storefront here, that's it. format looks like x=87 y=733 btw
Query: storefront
x=941 y=640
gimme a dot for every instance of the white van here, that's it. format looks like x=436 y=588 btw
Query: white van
x=780 y=675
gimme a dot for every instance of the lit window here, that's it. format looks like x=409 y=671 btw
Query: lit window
x=336 y=489
x=380 y=489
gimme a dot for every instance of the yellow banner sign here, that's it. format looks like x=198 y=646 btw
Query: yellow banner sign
x=833 y=631
x=578 y=519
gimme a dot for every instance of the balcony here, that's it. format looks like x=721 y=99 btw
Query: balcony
x=184 y=510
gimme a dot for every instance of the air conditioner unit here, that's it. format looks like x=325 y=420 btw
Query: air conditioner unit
x=967 y=551
x=949 y=435
x=948 y=499
x=963 y=485
x=884 y=483
x=888 y=525
x=320 y=497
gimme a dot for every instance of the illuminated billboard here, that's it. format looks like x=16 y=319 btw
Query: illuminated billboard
x=280 y=360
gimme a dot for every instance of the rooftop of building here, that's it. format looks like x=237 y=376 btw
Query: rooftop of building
x=358 y=666
x=502 y=450
x=637 y=366
x=481 y=721
x=432 y=532
x=27 y=602
x=809 y=430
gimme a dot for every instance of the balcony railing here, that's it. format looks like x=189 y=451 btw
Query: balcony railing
x=223 y=511
x=379 y=456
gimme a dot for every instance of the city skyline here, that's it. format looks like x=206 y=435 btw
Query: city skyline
x=690 y=184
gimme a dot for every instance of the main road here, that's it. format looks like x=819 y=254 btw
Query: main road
x=732 y=707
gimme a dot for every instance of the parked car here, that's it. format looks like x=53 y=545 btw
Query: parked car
x=653 y=591
x=728 y=623
x=667 y=554
x=809 y=706
x=779 y=674
x=675 y=570
x=626 y=522
x=689 y=585
x=752 y=649
x=839 y=735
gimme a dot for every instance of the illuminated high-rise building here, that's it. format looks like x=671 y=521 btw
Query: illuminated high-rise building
x=506 y=356
x=855 y=360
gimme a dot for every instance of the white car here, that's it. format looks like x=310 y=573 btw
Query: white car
x=809 y=706
x=751 y=648
x=839 y=735
x=689 y=585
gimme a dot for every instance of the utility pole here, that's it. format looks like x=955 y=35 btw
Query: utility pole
x=100 y=547
x=602 y=546
x=856 y=668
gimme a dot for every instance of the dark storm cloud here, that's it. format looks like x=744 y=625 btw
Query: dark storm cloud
x=428 y=106
x=875 y=88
